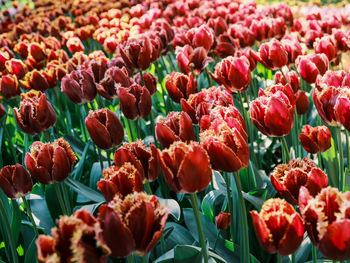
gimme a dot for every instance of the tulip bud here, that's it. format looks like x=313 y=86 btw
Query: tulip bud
x=177 y=126
x=76 y=237
x=49 y=163
x=310 y=66
x=315 y=139
x=9 y=86
x=278 y=227
x=74 y=45
x=302 y=102
x=105 y=129
x=223 y=220
x=180 y=86
x=35 y=113
x=15 y=181
x=150 y=81
x=16 y=67
x=145 y=160
x=288 y=178
x=139 y=219
x=186 y=167
x=326 y=218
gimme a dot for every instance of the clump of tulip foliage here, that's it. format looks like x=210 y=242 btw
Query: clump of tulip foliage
x=174 y=131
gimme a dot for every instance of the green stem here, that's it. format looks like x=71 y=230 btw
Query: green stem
x=279 y=258
x=100 y=158
x=137 y=129
x=148 y=187
x=216 y=240
x=7 y=228
x=130 y=259
x=347 y=147
x=201 y=237
x=244 y=232
x=285 y=147
x=341 y=161
x=319 y=157
x=208 y=77
x=293 y=258
x=60 y=198
x=108 y=153
x=314 y=254
x=145 y=259
x=130 y=130
x=30 y=215
x=230 y=203
x=66 y=198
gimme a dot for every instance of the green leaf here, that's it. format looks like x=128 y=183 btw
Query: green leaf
x=30 y=255
x=84 y=190
x=257 y=202
x=52 y=202
x=212 y=199
x=80 y=167
x=39 y=209
x=218 y=181
x=332 y=165
x=95 y=175
x=16 y=220
x=172 y=206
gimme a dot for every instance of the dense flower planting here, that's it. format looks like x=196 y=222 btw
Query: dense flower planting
x=174 y=131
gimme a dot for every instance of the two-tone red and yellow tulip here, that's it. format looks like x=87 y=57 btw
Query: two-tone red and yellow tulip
x=9 y=86
x=315 y=139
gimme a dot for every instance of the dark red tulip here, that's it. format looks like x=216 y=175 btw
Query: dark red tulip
x=186 y=167
x=49 y=163
x=273 y=111
x=192 y=59
x=135 y=101
x=145 y=160
x=233 y=73
x=176 y=126
x=315 y=139
x=15 y=181
x=278 y=227
x=98 y=68
x=120 y=181
x=138 y=219
x=36 y=80
x=272 y=55
x=201 y=103
x=9 y=86
x=301 y=102
x=76 y=237
x=35 y=113
x=150 y=81
x=79 y=86
x=180 y=85
x=223 y=220
x=328 y=46
x=312 y=65
x=16 y=67
x=202 y=36
x=326 y=218
x=74 y=45
x=292 y=78
x=105 y=129
x=2 y=111
x=288 y=178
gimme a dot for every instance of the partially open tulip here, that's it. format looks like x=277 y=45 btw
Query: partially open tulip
x=16 y=67
x=49 y=163
x=79 y=86
x=233 y=73
x=35 y=113
x=120 y=181
x=105 y=129
x=271 y=55
x=326 y=218
x=9 y=86
x=135 y=101
x=145 y=160
x=288 y=178
x=36 y=80
x=192 y=59
x=291 y=77
x=315 y=139
x=223 y=220
x=74 y=45
x=312 y=65
x=139 y=220
x=175 y=127
x=150 y=81
x=114 y=77
x=328 y=46
x=75 y=238
x=15 y=181
x=278 y=227
x=272 y=112
x=301 y=102
x=202 y=36
x=293 y=48
x=180 y=85
x=186 y=167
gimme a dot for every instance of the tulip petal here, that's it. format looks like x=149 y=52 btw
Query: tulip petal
x=61 y=165
x=98 y=133
x=292 y=237
x=263 y=234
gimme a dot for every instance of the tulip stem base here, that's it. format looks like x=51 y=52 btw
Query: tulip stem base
x=230 y=203
x=30 y=215
x=341 y=161
x=285 y=150
x=60 y=198
x=314 y=254
x=279 y=258
x=201 y=237
x=130 y=259
x=244 y=245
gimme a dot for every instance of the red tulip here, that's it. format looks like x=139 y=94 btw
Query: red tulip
x=192 y=59
x=202 y=36
x=37 y=80
x=135 y=101
x=278 y=227
x=301 y=102
x=326 y=218
x=243 y=34
x=105 y=129
x=120 y=181
x=293 y=48
x=272 y=55
x=186 y=167
x=145 y=160
x=219 y=25
x=35 y=113
x=37 y=52
x=180 y=85
x=9 y=86
x=223 y=220
x=15 y=181
x=150 y=81
x=233 y=73
x=342 y=39
x=292 y=78
x=328 y=46
x=315 y=139
x=273 y=111
x=16 y=67
x=79 y=86
x=138 y=219
x=177 y=126
x=76 y=239
x=49 y=163
x=201 y=103
x=4 y=56
x=310 y=66
x=288 y=178
x=74 y=45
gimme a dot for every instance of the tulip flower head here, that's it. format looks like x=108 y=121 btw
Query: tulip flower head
x=223 y=220
x=315 y=139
